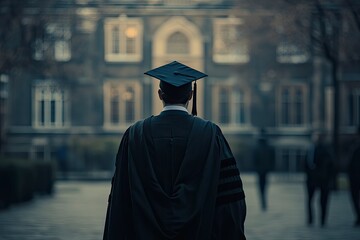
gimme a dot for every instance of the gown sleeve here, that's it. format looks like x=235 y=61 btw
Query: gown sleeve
x=119 y=202
x=230 y=210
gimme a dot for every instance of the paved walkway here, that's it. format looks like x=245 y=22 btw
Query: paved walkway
x=77 y=212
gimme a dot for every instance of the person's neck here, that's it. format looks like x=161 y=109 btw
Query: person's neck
x=180 y=107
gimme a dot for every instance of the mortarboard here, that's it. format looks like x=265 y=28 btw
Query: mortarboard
x=176 y=78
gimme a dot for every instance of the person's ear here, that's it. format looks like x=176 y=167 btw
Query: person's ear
x=160 y=93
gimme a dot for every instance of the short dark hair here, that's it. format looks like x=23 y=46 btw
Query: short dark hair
x=175 y=95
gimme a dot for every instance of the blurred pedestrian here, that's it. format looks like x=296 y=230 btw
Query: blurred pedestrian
x=319 y=168
x=354 y=177
x=175 y=175
x=62 y=159
x=264 y=161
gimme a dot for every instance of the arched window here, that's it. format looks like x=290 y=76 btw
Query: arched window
x=177 y=43
x=51 y=105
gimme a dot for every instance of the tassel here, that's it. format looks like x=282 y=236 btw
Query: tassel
x=194 y=111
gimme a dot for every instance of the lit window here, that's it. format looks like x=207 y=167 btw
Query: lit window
x=122 y=103
x=51 y=105
x=123 y=39
x=292 y=106
x=230 y=44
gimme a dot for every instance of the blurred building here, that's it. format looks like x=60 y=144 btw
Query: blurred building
x=85 y=83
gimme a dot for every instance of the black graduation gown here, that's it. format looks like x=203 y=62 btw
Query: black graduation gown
x=175 y=178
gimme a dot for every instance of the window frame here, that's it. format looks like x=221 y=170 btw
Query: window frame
x=233 y=110
x=120 y=86
x=289 y=52
x=44 y=91
x=56 y=41
x=120 y=23
x=229 y=57
x=353 y=114
x=187 y=47
x=292 y=102
x=294 y=165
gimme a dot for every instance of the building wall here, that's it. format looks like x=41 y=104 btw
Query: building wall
x=258 y=85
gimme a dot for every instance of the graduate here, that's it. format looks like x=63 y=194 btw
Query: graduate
x=175 y=177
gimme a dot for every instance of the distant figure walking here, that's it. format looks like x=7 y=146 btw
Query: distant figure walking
x=62 y=158
x=264 y=161
x=319 y=168
x=354 y=177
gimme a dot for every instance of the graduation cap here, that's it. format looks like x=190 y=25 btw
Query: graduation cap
x=175 y=80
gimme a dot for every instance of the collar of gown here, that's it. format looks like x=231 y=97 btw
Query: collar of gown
x=175 y=107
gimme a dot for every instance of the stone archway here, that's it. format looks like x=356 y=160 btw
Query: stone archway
x=193 y=57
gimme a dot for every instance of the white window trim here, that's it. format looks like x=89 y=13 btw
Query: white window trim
x=59 y=124
x=122 y=22
x=229 y=58
x=122 y=125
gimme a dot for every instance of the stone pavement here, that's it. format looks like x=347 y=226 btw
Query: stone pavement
x=77 y=210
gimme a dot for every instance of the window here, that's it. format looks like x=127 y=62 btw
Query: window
x=291 y=160
x=123 y=39
x=287 y=52
x=40 y=47
x=354 y=107
x=292 y=106
x=186 y=2
x=4 y=86
x=224 y=106
x=62 y=35
x=122 y=103
x=55 y=42
x=230 y=45
x=51 y=105
x=178 y=43
x=230 y=108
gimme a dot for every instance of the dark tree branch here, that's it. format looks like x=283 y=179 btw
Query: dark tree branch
x=354 y=13
x=324 y=38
